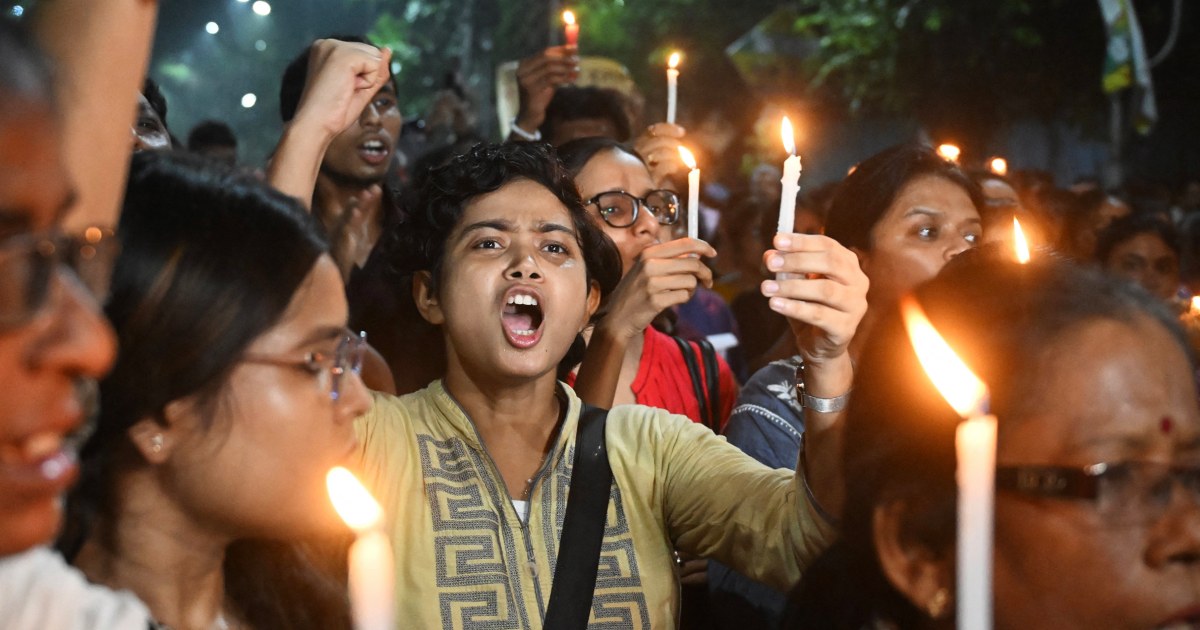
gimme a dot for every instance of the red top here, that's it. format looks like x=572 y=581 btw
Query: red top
x=663 y=381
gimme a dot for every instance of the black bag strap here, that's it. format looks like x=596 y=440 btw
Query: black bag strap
x=711 y=382
x=583 y=527
x=693 y=367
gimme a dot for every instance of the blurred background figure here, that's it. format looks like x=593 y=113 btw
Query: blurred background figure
x=214 y=140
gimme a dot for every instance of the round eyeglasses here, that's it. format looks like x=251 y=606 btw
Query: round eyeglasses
x=620 y=209
x=28 y=263
x=327 y=368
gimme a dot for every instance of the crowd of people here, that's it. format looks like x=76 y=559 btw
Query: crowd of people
x=527 y=361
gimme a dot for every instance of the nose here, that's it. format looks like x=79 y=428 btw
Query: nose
x=524 y=264
x=78 y=340
x=354 y=399
x=958 y=246
x=646 y=225
x=1177 y=534
x=370 y=116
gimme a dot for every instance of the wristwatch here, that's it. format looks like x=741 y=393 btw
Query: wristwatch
x=819 y=405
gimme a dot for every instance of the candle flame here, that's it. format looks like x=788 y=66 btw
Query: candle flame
x=1019 y=243
x=353 y=503
x=687 y=157
x=1196 y=304
x=568 y=17
x=999 y=166
x=673 y=60
x=949 y=152
x=789 y=136
x=953 y=379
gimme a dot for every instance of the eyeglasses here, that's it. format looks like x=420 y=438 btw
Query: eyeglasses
x=620 y=209
x=328 y=369
x=29 y=261
x=1124 y=493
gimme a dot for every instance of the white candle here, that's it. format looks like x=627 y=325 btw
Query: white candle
x=791 y=181
x=693 y=204
x=672 y=86
x=372 y=573
x=975 y=447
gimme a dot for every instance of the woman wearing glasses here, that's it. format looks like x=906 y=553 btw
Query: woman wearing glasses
x=233 y=394
x=1097 y=521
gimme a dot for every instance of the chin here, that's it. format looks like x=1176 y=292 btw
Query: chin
x=33 y=526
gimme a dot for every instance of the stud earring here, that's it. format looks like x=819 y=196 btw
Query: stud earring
x=156 y=443
x=938 y=604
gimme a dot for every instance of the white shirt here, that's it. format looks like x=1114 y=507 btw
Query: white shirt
x=39 y=591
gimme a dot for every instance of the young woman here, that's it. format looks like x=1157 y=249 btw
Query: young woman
x=904 y=212
x=1097 y=521
x=233 y=394
x=1143 y=248
x=473 y=471
x=54 y=343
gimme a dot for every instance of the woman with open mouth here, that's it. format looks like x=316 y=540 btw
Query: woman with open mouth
x=474 y=471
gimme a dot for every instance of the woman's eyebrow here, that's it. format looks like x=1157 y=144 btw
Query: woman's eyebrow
x=499 y=225
x=921 y=211
x=548 y=226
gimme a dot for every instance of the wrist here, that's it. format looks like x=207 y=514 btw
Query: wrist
x=529 y=123
x=824 y=390
x=309 y=130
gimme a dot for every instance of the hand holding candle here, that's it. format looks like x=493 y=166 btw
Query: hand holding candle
x=371 y=564
x=672 y=86
x=693 y=205
x=975 y=442
x=570 y=28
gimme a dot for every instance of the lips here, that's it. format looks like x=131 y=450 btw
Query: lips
x=42 y=465
x=1186 y=619
x=375 y=151
x=522 y=317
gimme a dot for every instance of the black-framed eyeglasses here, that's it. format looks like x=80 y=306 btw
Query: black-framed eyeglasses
x=28 y=263
x=329 y=369
x=1124 y=493
x=620 y=209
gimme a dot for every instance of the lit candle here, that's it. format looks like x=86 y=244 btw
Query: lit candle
x=371 y=563
x=975 y=445
x=693 y=205
x=949 y=152
x=672 y=85
x=999 y=166
x=570 y=28
x=1196 y=305
x=791 y=181
x=1020 y=245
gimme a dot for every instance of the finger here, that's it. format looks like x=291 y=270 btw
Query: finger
x=838 y=265
x=666 y=129
x=820 y=291
x=671 y=282
x=839 y=326
x=679 y=247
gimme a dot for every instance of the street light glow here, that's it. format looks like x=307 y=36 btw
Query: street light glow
x=261 y=7
x=248 y=100
x=213 y=28
x=260 y=45
x=18 y=10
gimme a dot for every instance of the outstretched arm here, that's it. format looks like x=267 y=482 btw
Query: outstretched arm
x=101 y=50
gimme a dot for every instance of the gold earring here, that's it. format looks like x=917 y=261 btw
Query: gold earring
x=156 y=443
x=938 y=604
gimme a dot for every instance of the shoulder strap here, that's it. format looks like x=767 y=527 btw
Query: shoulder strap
x=712 y=373
x=583 y=527
x=693 y=367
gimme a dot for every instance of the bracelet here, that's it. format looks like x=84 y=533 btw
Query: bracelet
x=525 y=135
x=812 y=498
x=817 y=404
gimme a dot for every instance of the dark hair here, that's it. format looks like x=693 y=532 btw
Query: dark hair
x=863 y=198
x=26 y=70
x=573 y=102
x=484 y=169
x=211 y=260
x=999 y=316
x=1133 y=225
x=295 y=76
x=577 y=153
x=157 y=101
x=211 y=133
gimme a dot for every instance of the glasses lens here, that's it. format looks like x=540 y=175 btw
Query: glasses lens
x=349 y=358
x=618 y=209
x=25 y=268
x=664 y=204
x=1140 y=492
x=92 y=258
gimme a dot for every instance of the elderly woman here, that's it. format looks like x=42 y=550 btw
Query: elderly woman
x=1097 y=521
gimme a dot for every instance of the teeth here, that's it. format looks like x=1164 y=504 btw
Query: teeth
x=524 y=300
x=524 y=333
x=373 y=145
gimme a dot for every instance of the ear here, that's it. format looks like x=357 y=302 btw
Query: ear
x=593 y=302
x=921 y=574
x=427 y=299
